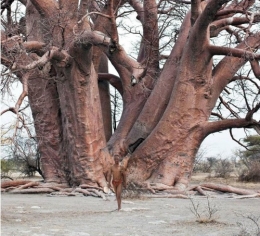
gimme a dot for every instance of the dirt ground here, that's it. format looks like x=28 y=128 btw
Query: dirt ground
x=44 y=215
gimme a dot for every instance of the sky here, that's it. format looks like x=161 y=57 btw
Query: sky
x=222 y=145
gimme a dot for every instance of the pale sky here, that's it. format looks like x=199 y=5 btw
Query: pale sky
x=222 y=145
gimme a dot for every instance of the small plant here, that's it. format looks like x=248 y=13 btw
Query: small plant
x=250 y=226
x=206 y=215
x=132 y=192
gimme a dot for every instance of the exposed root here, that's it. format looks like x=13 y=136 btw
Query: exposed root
x=14 y=183
x=160 y=190
x=159 y=186
x=152 y=190
x=86 y=186
x=85 y=192
x=29 y=185
x=228 y=189
x=98 y=193
x=199 y=189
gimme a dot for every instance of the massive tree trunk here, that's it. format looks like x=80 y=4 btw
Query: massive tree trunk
x=45 y=106
x=166 y=111
x=167 y=154
x=72 y=114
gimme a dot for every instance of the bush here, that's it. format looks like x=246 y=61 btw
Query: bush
x=252 y=174
x=250 y=158
x=6 y=167
x=223 y=169
x=204 y=165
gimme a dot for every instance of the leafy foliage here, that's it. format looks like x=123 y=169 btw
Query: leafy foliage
x=251 y=159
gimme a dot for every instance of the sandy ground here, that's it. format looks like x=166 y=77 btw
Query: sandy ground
x=45 y=215
x=41 y=215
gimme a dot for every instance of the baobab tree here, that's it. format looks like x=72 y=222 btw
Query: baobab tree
x=59 y=51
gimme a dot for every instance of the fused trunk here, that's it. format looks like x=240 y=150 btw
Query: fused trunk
x=67 y=113
x=44 y=103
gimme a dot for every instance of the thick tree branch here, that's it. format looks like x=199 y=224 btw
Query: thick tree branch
x=236 y=7
x=256 y=68
x=138 y=7
x=70 y=7
x=235 y=52
x=150 y=42
x=112 y=13
x=24 y=93
x=83 y=7
x=216 y=126
x=195 y=10
x=223 y=73
x=93 y=13
x=46 y=8
x=33 y=46
x=117 y=55
x=235 y=33
x=16 y=108
x=208 y=15
x=234 y=21
x=88 y=38
x=15 y=44
x=23 y=2
x=199 y=35
x=113 y=80
x=61 y=58
x=228 y=12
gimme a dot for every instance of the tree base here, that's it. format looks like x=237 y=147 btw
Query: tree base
x=143 y=189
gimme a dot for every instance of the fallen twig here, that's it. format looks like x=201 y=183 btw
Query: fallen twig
x=167 y=196
x=32 y=190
